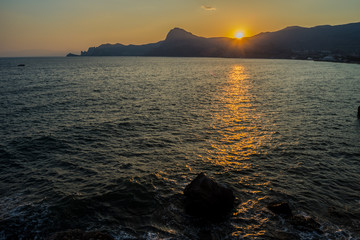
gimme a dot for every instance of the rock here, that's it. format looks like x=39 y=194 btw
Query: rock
x=281 y=235
x=77 y=234
x=72 y=55
x=342 y=216
x=305 y=223
x=283 y=209
x=206 y=198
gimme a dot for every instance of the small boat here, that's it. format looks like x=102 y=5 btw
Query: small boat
x=21 y=65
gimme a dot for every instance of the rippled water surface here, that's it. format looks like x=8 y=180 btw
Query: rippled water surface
x=110 y=143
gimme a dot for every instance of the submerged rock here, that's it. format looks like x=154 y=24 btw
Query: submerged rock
x=300 y=222
x=77 y=234
x=206 y=198
x=281 y=208
x=282 y=235
x=305 y=223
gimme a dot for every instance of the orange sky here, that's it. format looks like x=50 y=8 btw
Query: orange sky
x=48 y=27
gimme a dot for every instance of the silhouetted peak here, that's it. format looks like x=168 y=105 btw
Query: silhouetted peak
x=323 y=26
x=287 y=29
x=179 y=34
x=290 y=28
x=111 y=45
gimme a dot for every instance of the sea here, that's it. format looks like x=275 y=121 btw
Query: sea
x=109 y=144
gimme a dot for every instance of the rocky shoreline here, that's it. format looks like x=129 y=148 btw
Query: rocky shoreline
x=212 y=202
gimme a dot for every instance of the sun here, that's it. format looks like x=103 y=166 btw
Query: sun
x=239 y=35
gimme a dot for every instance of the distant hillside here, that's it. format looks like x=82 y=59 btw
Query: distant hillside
x=180 y=43
x=291 y=42
x=341 y=38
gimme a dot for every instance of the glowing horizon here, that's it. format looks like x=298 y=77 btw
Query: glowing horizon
x=41 y=27
x=239 y=34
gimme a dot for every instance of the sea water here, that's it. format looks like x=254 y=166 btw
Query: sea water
x=109 y=144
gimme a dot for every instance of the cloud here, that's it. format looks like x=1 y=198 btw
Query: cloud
x=208 y=8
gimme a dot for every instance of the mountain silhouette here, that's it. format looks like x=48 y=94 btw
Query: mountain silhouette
x=340 y=38
x=290 y=42
x=177 y=34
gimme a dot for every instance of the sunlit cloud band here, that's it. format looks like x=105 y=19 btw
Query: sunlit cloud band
x=208 y=8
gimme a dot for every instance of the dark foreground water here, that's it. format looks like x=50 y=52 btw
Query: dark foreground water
x=110 y=143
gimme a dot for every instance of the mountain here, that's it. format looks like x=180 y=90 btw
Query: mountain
x=290 y=42
x=120 y=50
x=177 y=34
x=343 y=39
x=180 y=43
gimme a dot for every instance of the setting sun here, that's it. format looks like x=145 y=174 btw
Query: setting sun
x=239 y=35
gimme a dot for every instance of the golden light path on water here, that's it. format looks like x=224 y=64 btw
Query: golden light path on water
x=236 y=122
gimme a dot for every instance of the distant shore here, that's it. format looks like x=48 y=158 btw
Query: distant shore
x=317 y=58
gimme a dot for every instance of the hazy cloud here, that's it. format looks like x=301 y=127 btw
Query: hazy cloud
x=208 y=8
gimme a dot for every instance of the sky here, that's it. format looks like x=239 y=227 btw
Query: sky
x=49 y=27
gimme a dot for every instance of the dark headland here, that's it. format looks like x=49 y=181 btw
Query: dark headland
x=340 y=43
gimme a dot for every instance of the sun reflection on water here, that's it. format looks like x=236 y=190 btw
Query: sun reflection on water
x=239 y=140
x=236 y=122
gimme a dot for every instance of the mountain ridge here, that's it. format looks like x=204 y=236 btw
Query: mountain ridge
x=289 y=42
x=177 y=34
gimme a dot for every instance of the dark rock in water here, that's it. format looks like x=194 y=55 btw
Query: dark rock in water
x=300 y=222
x=72 y=55
x=305 y=223
x=21 y=65
x=77 y=234
x=342 y=216
x=283 y=209
x=281 y=235
x=206 y=198
x=358 y=112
